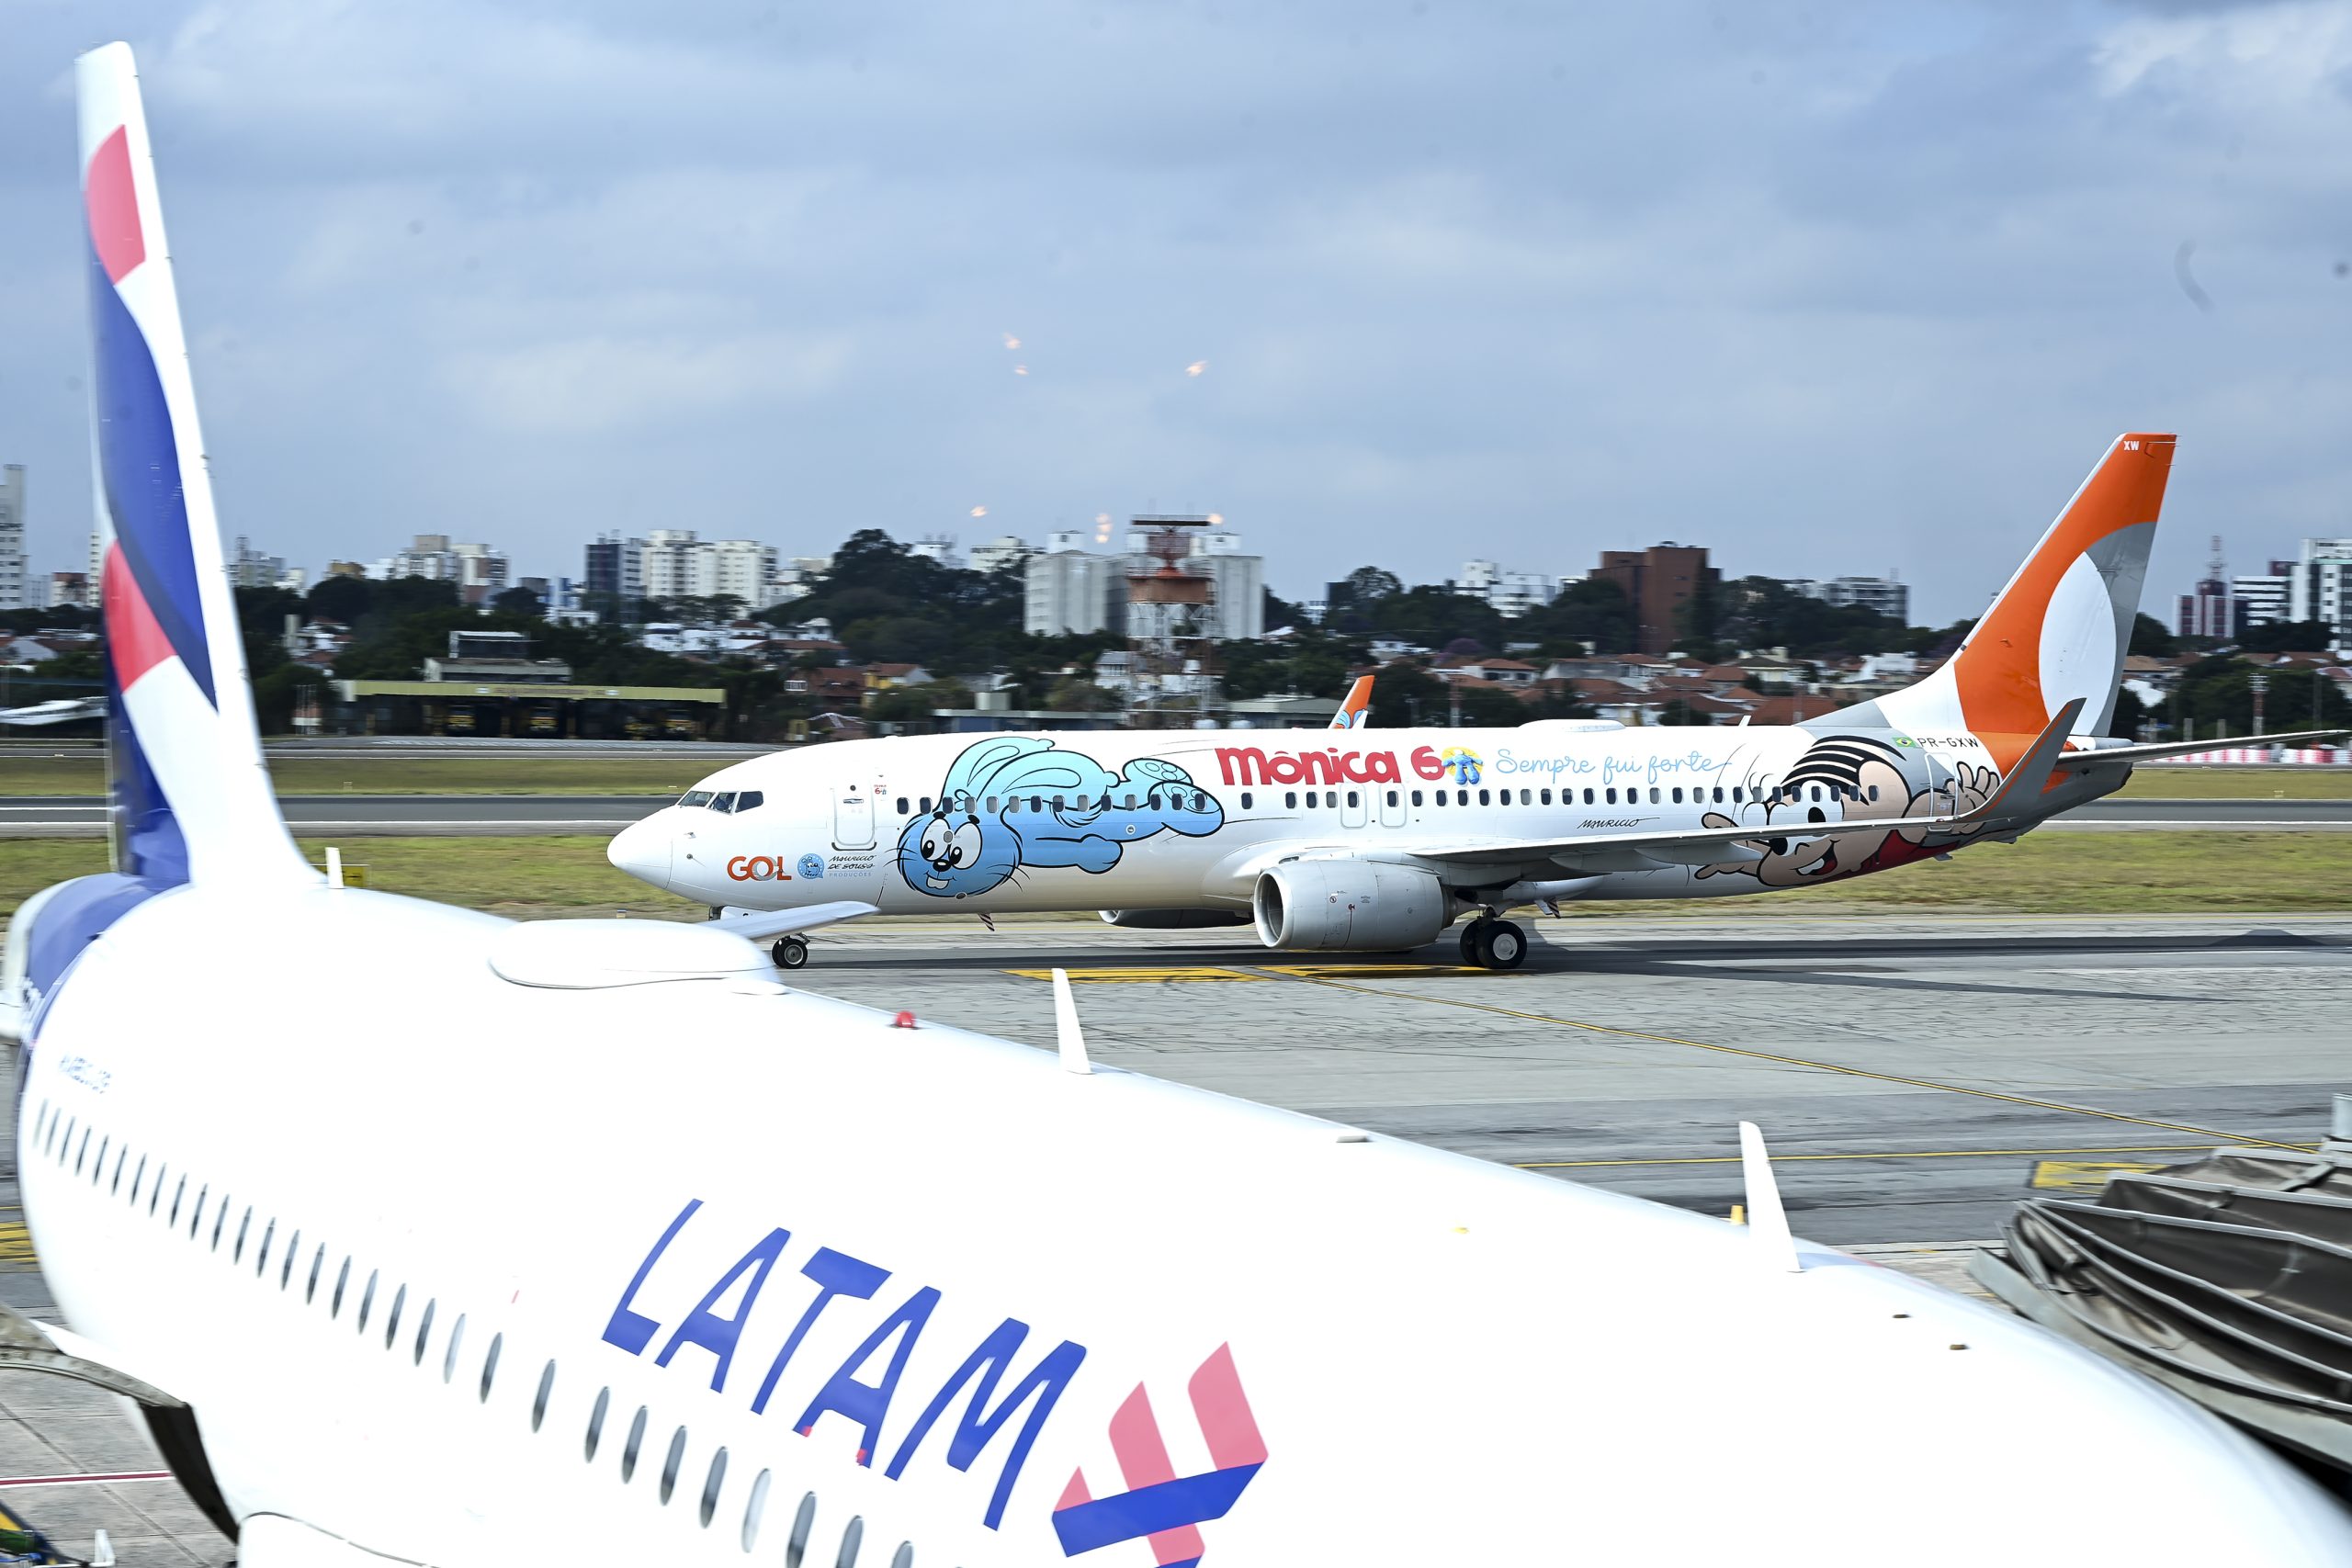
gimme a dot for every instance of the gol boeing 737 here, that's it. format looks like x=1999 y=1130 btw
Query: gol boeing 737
x=1382 y=839
x=422 y=1237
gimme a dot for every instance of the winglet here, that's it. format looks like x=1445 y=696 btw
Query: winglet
x=1066 y=1031
x=1768 y=1223
x=1358 y=706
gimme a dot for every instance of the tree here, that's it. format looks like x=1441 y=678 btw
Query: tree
x=1281 y=613
x=2150 y=637
x=2131 y=716
x=1678 y=712
x=2287 y=637
x=1490 y=707
x=1403 y=694
x=519 y=600
x=1594 y=611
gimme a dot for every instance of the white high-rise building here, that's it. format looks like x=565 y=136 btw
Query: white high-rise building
x=12 y=537
x=1885 y=594
x=1510 y=593
x=2265 y=600
x=2321 y=590
x=747 y=570
x=678 y=565
x=999 y=553
x=1068 y=589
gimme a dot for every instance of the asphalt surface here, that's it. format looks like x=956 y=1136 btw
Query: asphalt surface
x=68 y=815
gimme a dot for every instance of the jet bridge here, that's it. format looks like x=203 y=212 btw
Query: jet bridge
x=2228 y=1279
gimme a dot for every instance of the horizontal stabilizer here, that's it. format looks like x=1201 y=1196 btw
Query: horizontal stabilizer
x=2083 y=761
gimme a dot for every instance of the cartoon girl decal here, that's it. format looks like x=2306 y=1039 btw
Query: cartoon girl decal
x=1861 y=779
x=1019 y=801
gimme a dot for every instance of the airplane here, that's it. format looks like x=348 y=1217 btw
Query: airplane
x=419 y=1235
x=1381 y=841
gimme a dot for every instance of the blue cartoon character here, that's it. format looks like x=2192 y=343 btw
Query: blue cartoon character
x=1019 y=801
x=1463 y=763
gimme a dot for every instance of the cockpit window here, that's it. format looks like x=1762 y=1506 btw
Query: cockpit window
x=723 y=802
x=748 y=800
x=695 y=797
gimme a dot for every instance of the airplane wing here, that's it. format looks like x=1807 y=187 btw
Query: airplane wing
x=2083 y=761
x=1715 y=846
x=1357 y=708
x=761 y=925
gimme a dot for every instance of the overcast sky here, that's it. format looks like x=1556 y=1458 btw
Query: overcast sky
x=1828 y=288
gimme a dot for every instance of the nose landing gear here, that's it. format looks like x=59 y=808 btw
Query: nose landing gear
x=789 y=952
x=1491 y=943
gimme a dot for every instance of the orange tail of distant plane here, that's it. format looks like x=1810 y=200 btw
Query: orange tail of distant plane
x=2059 y=630
x=1357 y=708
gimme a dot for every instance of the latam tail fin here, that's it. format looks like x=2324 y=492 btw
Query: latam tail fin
x=190 y=792
x=1357 y=708
x=2059 y=631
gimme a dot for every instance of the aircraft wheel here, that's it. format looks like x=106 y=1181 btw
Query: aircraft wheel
x=789 y=952
x=1474 y=942
x=1505 y=946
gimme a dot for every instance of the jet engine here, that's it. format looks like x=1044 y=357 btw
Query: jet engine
x=1173 y=919
x=1349 y=906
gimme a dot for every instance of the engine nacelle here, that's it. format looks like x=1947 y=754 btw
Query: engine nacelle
x=1349 y=906
x=1172 y=920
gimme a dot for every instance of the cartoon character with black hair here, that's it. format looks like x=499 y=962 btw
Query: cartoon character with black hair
x=1019 y=801
x=1859 y=779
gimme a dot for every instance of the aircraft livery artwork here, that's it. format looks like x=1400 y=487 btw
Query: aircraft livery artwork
x=1021 y=801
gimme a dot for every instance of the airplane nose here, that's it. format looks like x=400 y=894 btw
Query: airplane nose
x=642 y=849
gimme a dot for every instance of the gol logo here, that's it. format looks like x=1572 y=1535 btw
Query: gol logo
x=757 y=868
x=1159 y=1505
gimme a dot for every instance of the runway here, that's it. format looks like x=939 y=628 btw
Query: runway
x=66 y=816
x=1913 y=1076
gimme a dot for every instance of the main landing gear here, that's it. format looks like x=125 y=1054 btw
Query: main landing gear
x=1491 y=943
x=789 y=952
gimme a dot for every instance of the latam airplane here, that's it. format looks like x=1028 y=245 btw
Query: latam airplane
x=423 y=1236
x=1383 y=839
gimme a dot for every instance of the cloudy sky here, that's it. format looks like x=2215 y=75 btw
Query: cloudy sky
x=1828 y=288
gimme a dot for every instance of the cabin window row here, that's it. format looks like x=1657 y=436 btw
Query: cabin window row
x=56 y=1134
x=1155 y=800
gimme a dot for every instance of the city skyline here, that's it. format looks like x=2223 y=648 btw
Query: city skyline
x=1837 y=293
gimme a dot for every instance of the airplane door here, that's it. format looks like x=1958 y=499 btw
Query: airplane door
x=1351 y=806
x=1392 y=805
x=853 y=818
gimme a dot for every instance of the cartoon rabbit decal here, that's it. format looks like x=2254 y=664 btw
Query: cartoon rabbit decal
x=1020 y=801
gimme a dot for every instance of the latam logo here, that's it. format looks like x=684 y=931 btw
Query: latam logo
x=1249 y=765
x=1159 y=1505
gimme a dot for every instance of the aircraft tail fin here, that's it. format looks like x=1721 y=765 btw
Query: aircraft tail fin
x=2060 y=629
x=1353 y=712
x=189 y=793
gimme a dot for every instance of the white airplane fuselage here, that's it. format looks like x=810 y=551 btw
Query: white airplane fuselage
x=398 y=1256
x=1191 y=819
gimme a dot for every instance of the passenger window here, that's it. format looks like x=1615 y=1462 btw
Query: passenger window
x=286 y=1265
x=1719 y=794
x=1588 y=796
x=1816 y=794
x=672 y=1461
x=923 y=805
x=753 y=1508
x=155 y=1192
x=905 y=1556
x=342 y=1279
x=1057 y=803
x=136 y=1177
x=1482 y=798
x=747 y=800
x=797 y=1545
x=99 y=1168
x=1392 y=797
x=1416 y=797
x=367 y=1302
x=237 y=1247
x=1545 y=795
x=1613 y=797
x=450 y=1356
x=852 y=1538
x=636 y=1441
x=261 y=1259
x=1735 y=794
x=1677 y=794
x=1653 y=795
x=490 y=1367
x=1036 y=803
x=1873 y=792
x=991 y=802
x=393 y=1318
x=174 y=1217
x=710 y=1485
x=1352 y=797
x=83 y=1153
x=1245 y=800
x=1461 y=798
x=1081 y=802
x=424 y=1331
x=596 y=1429
x=219 y=1216
x=539 y=1400
x=1290 y=800
x=902 y=805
